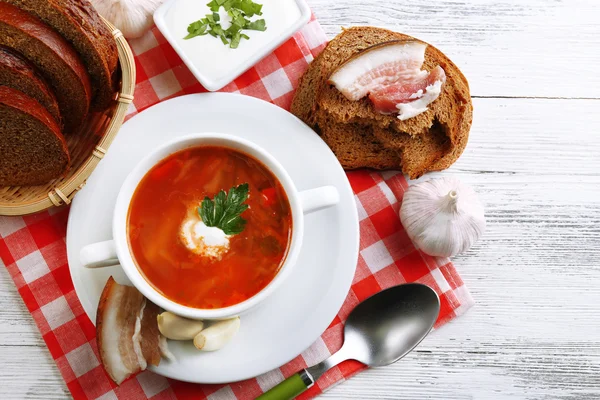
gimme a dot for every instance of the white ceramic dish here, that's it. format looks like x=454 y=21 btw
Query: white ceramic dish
x=295 y=315
x=117 y=251
x=214 y=64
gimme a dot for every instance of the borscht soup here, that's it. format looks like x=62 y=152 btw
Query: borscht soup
x=209 y=227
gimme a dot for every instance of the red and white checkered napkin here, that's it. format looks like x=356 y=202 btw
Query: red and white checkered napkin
x=33 y=247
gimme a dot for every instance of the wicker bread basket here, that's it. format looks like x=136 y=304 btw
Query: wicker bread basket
x=87 y=147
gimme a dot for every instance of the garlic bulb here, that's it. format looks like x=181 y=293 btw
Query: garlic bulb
x=132 y=17
x=443 y=217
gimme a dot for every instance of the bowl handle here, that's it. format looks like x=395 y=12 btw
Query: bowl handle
x=318 y=199
x=99 y=255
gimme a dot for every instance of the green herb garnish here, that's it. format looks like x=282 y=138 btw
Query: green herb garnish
x=225 y=211
x=239 y=11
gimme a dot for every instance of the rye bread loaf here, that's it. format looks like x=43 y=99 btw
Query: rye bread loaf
x=430 y=141
x=32 y=149
x=54 y=57
x=18 y=73
x=79 y=22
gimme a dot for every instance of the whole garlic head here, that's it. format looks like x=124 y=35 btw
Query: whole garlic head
x=132 y=17
x=443 y=217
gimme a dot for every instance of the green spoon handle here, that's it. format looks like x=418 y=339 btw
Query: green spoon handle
x=290 y=388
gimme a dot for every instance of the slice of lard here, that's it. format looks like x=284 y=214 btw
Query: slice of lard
x=390 y=74
x=409 y=99
x=125 y=329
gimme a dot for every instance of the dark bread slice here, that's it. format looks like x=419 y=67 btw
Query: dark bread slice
x=79 y=22
x=33 y=151
x=445 y=130
x=312 y=85
x=433 y=131
x=417 y=153
x=18 y=73
x=454 y=100
x=355 y=146
x=55 y=58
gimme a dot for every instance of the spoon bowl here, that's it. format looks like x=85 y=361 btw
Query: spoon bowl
x=378 y=332
x=388 y=325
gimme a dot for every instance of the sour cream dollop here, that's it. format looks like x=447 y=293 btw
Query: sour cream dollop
x=204 y=240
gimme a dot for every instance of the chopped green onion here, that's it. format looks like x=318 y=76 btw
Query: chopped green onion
x=235 y=40
x=197 y=28
x=240 y=12
x=250 y=8
x=258 y=25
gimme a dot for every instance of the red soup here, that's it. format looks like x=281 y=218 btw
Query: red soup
x=201 y=247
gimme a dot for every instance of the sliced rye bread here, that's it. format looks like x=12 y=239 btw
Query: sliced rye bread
x=55 y=58
x=355 y=146
x=79 y=23
x=430 y=153
x=33 y=151
x=18 y=73
x=454 y=100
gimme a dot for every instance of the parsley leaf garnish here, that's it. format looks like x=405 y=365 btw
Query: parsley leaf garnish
x=240 y=12
x=224 y=212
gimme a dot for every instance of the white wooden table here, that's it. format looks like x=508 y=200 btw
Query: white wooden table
x=534 y=156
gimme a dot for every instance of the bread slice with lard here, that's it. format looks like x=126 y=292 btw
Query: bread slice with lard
x=450 y=115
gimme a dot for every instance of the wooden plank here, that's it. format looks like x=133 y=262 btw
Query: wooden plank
x=28 y=371
x=509 y=48
x=534 y=274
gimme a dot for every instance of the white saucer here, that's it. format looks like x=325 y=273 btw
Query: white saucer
x=300 y=311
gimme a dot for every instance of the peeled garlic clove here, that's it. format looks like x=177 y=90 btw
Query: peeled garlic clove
x=218 y=335
x=443 y=217
x=175 y=327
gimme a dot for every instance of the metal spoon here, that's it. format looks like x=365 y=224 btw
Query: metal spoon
x=379 y=331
